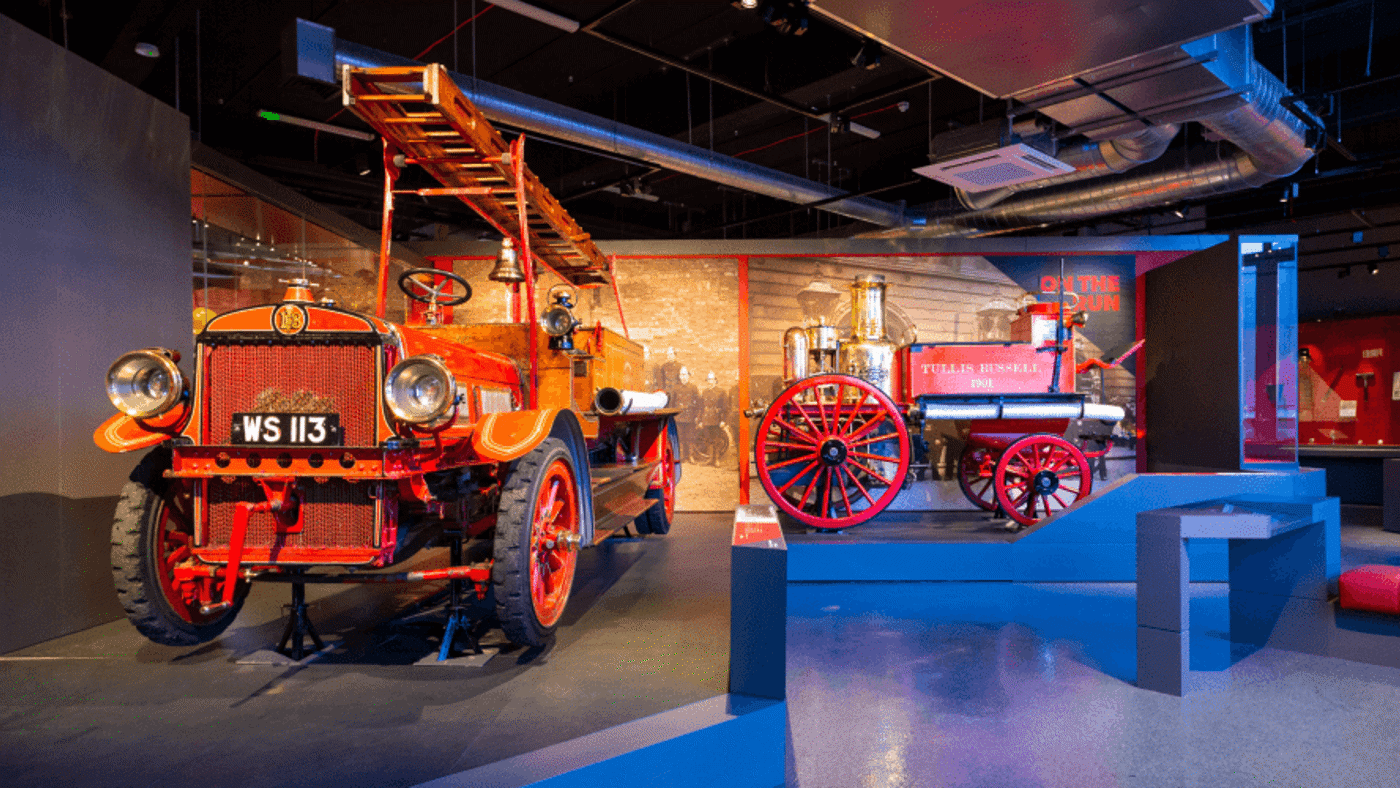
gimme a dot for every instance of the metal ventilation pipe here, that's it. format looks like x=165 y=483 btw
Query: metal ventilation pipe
x=1271 y=142
x=320 y=55
x=1093 y=160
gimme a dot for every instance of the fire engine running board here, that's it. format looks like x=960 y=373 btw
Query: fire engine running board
x=1022 y=410
x=616 y=520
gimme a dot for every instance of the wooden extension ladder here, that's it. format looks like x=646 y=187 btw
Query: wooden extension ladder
x=425 y=120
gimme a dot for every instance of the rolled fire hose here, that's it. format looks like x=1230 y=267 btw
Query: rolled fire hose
x=611 y=402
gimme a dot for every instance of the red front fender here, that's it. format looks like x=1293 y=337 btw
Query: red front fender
x=123 y=433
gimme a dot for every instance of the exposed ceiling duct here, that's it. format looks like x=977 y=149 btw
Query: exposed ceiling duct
x=319 y=55
x=1270 y=142
x=1090 y=160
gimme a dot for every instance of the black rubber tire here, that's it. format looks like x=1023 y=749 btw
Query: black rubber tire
x=134 y=561
x=510 y=570
x=654 y=520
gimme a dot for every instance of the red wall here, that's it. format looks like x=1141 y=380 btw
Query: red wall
x=1340 y=349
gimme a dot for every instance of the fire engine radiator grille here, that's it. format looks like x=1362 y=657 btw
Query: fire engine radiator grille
x=338 y=379
x=336 y=513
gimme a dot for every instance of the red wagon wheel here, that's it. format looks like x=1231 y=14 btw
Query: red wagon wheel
x=1039 y=475
x=832 y=451
x=975 y=468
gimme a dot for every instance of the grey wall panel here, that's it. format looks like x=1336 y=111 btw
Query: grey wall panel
x=1191 y=363
x=95 y=249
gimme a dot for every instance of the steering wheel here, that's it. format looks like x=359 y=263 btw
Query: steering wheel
x=439 y=295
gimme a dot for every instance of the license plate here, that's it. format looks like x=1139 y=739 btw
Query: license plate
x=287 y=429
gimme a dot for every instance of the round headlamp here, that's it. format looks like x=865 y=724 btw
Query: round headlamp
x=144 y=383
x=558 y=321
x=420 y=390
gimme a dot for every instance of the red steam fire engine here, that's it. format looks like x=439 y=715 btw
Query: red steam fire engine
x=834 y=448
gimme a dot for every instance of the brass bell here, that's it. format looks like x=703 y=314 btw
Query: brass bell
x=507 y=268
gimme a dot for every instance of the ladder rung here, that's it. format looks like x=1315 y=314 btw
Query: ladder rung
x=419 y=97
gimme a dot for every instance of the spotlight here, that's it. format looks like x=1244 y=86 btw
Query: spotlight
x=868 y=55
x=147 y=50
x=1383 y=251
x=1180 y=212
x=1374 y=269
x=840 y=124
x=749 y=4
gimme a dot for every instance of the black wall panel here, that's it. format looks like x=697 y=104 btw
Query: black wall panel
x=95 y=254
x=1191 y=363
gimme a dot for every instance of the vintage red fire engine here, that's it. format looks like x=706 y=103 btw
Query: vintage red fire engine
x=303 y=436
x=834 y=448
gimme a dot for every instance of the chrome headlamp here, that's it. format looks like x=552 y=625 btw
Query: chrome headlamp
x=420 y=390
x=145 y=383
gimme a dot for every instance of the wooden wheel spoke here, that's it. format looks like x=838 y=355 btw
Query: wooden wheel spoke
x=781 y=445
x=178 y=555
x=872 y=472
x=177 y=537
x=836 y=416
x=876 y=457
x=855 y=408
x=806 y=491
x=826 y=491
x=808 y=457
x=803 y=411
x=859 y=486
x=794 y=479
x=892 y=436
x=1056 y=496
x=844 y=495
x=797 y=433
x=868 y=426
x=821 y=413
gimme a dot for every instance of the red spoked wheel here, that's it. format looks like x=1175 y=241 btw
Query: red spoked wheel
x=552 y=558
x=536 y=544
x=976 y=466
x=658 y=519
x=832 y=451
x=159 y=582
x=1039 y=475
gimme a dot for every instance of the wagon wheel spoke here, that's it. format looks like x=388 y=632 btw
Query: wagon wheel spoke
x=844 y=495
x=799 y=434
x=794 y=479
x=868 y=426
x=859 y=486
x=872 y=472
x=855 y=408
x=809 y=457
x=803 y=412
x=873 y=439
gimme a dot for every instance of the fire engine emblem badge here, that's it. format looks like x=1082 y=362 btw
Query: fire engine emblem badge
x=289 y=319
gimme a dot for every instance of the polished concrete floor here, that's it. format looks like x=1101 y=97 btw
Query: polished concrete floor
x=990 y=685
x=1002 y=685
x=647 y=630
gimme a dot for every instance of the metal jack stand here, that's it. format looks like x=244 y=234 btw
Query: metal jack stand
x=298 y=626
x=458 y=620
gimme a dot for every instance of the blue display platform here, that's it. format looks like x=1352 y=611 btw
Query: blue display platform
x=1093 y=541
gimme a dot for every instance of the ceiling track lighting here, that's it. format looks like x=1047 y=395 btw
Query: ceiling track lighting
x=353 y=134
x=1374 y=268
x=145 y=49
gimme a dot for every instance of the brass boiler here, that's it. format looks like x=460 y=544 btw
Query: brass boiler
x=824 y=344
x=797 y=357
x=869 y=355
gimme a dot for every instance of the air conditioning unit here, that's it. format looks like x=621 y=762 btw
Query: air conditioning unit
x=991 y=169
